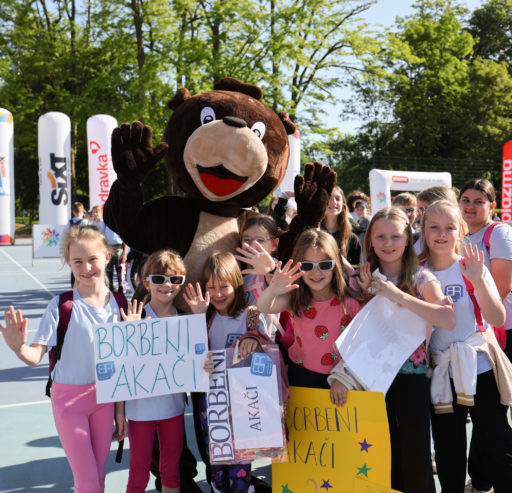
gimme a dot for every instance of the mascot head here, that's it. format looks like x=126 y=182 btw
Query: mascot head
x=225 y=145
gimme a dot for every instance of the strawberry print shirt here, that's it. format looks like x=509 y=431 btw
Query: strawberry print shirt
x=316 y=330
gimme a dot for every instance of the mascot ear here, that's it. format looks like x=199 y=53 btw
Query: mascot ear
x=289 y=126
x=180 y=97
x=231 y=84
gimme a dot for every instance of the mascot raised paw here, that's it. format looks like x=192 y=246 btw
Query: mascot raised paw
x=224 y=148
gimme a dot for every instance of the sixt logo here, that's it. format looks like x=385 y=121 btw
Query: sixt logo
x=58 y=180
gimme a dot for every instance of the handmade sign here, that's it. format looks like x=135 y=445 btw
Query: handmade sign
x=245 y=411
x=255 y=404
x=385 y=334
x=150 y=357
x=331 y=447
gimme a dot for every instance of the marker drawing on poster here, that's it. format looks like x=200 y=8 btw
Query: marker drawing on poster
x=150 y=357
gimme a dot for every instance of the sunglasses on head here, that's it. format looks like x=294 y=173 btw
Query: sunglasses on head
x=177 y=279
x=307 y=266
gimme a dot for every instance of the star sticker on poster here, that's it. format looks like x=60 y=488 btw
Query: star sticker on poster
x=326 y=485
x=364 y=470
x=365 y=445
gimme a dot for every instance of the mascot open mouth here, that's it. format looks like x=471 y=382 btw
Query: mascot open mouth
x=219 y=180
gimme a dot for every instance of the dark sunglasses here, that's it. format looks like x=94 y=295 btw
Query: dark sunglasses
x=177 y=280
x=306 y=266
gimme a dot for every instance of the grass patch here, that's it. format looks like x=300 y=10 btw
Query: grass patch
x=23 y=230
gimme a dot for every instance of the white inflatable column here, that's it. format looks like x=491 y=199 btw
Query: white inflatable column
x=7 y=217
x=54 y=148
x=101 y=171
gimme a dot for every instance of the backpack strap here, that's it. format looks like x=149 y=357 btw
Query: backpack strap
x=121 y=300
x=487 y=235
x=476 y=307
x=65 y=309
x=253 y=316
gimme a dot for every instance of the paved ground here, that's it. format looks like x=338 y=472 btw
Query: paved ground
x=31 y=457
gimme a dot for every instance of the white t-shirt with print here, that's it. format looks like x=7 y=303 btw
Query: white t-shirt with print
x=225 y=330
x=76 y=363
x=453 y=285
x=158 y=407
x=500 y=246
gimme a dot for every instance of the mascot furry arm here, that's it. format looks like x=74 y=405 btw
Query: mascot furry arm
x=312 y=194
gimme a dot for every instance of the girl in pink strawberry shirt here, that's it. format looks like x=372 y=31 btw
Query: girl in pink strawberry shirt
x=320 y=302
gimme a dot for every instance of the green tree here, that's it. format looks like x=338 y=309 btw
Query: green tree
x=491 y=26
x=128 y=58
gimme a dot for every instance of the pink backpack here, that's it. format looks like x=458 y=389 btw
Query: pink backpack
x=499 y=332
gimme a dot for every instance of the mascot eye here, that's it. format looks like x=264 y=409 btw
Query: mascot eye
x=207 y=115
x=259 y=129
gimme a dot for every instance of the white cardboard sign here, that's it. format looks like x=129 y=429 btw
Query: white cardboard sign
x=150 y=357
x=380 y=338
x=255 y=408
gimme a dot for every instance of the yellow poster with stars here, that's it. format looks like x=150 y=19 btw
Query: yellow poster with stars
x=330 y=448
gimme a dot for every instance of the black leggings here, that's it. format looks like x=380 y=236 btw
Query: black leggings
x=408 y=408
x=491 y=432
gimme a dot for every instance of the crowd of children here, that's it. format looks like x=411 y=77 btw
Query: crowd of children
x=442 y=257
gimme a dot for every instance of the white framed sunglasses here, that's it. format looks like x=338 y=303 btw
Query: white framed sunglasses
x=307 y=266
x=177 y=279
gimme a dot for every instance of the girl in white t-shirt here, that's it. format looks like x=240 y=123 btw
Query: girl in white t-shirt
x=463 y=359
x=84 y=427
x=477 y=203
x=227 y=319
x=163 y=275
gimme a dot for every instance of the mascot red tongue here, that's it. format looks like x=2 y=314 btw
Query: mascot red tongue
x=220 y=185
x=224 y=148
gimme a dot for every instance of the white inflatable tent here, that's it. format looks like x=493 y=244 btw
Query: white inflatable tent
x=383 y=181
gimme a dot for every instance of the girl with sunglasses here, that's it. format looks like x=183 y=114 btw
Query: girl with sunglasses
x=321 y=305
x=163 y=275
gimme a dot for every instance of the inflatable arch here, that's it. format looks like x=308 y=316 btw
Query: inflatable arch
x=383 y=181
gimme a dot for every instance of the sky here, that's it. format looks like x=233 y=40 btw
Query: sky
x=382 y=13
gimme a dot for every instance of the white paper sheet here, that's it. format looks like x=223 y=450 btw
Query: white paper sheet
x=378 y=341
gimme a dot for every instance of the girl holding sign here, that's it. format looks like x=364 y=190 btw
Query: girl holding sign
x=228 y=318
x=471 y=371
x=84 y=427
x=389 y=248
x=163 y=275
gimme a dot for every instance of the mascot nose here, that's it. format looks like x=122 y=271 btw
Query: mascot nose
x=233 y=121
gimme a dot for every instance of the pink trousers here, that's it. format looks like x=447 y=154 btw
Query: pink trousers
x=170 y=437
x=85 y=431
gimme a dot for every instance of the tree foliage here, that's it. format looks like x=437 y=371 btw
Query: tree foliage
x=128 y=57
x=437 y=90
